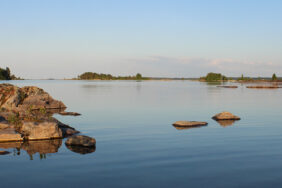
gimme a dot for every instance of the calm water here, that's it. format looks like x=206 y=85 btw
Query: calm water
x=138 y=147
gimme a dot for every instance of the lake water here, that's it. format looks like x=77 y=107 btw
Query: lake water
x=137 y=146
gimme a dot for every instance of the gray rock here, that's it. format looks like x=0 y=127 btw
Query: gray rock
x=81 y=140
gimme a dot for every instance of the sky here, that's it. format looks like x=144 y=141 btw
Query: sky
x=161 y=38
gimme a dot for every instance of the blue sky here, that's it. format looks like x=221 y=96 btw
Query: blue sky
x=174 y=38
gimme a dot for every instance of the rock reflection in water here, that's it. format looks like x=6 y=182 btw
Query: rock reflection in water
x=185 y=128
x=81 y=150
x=42 y=147
x=226 y=123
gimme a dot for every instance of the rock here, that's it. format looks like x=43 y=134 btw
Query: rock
x=41 y=130
x=26 y=98
x=81 y=140
x=4 y=152
x=69 y=113
x=9 y=135
x=225 y=116
x=189 y=123
x=3 y=124
x=69 y=132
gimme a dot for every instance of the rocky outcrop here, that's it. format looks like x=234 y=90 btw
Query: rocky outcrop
x=81 y=140
x=225 y=116
x=26 y=98
x=26 y=113
x=189 y=123
x=69 y=113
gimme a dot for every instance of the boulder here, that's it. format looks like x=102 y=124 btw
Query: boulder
x=189 y=123
x=40 y=130
x=81 y=140
x=225 y=116
x=9 y=135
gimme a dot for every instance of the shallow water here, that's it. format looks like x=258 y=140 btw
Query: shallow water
x=137 y=146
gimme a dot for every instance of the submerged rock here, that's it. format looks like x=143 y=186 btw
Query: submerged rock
x=189 y=123
x=81 y=140
x=264 y=87
x=225 y=116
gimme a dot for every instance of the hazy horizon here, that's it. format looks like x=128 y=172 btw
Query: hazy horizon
x=62 y=39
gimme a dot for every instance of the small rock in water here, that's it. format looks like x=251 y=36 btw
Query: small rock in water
x=189 y=123
x=81 y=140
x=69 y=114
x=225 y=116
x=4 y=152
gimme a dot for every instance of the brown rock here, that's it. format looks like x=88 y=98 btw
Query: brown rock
x=225 y=116
x=264 y=87
x=41 y=130
x=69 y=113
x=189 y=123
x=9 y=135
x=228 y=86
x=81 y=140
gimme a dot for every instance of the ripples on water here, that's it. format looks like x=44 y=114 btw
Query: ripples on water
x=137 y=146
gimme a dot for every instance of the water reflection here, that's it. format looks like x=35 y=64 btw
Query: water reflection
x=42 y=147
x=185 y=128
x=226 y=123
x=81 y=150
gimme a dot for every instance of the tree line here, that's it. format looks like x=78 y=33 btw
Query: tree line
x=101 y=76
x=5 y=74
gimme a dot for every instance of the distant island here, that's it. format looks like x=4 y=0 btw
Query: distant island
x=101 y=76
x=5 y=74
x=218 y=77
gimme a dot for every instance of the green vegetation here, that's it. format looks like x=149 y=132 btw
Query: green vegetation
x=274 y=77
x=242 y=78
x=5 y=74
x=214 y=77
x=96 y=76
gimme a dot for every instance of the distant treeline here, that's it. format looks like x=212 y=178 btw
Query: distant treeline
x=101 y=76
x=5 y=74
x=215 y=77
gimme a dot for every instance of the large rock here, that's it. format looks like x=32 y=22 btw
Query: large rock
x=81 y=140
x=9 y=135
x=26 y=98
x=225 y=116
x=189 y=123
x=41 y=130
x=3 y=123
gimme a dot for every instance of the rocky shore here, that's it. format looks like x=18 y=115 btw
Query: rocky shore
x=26 y=114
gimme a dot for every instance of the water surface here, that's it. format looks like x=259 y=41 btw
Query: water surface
x=137 y=146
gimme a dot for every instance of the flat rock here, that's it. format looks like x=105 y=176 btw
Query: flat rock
x=81 y=140
x=69 y=113
x=41 y=130
x=189 y=123
x=225 y=116
x=9 y=135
